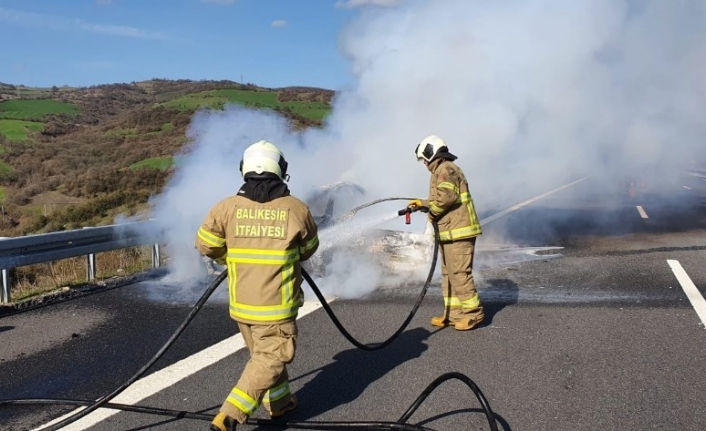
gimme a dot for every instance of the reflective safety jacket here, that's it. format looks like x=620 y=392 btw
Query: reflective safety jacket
x=263 y=245
x=450 y=202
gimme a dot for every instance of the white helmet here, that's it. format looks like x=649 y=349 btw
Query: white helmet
x=429 y=147
x=264 y=156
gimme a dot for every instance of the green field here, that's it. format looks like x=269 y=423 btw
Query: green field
x=4 y=168
x=2 y=194
x=160 y=163
x=16 y=130
x=216 y=99
x=34 y=109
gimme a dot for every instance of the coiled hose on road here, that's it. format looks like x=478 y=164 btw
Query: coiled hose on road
x=400 y=424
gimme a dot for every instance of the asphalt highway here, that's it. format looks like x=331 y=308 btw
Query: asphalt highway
x=594 y=320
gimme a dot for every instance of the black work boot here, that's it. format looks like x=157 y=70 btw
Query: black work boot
x=222 y=422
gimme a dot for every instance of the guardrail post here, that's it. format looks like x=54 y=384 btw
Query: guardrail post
x=91 y=267
x=6 y=286
x=155 y=256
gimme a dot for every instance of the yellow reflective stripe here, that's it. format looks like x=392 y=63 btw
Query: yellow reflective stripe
x=471 y=230
x=288 y=307
x=263 y=251
x=211 y=239
x=277 y=393
x=452 y=301
x=468 y=304
x=471 y=303
x=232 y=281
x=287 y=284
x=435 y=209
x=473 y=218
x=244 y=402
x=262 y=256
x=309 y=245
x=447 y=185
x=264 y=313
x=460 y=233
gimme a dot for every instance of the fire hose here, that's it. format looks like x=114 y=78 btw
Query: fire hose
x=400 y=424
x=377 y=346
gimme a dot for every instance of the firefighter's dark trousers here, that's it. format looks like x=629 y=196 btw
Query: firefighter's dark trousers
x=461 y=301
x=265 y=378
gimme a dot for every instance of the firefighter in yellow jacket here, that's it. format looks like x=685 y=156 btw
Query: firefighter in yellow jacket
x=451 y=206
x=262 y=234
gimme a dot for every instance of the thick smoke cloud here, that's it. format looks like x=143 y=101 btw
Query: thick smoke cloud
x=530 y=94
x=526 y=93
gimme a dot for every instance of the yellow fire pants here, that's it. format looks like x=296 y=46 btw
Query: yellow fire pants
x=265 y=377
x=461 y=301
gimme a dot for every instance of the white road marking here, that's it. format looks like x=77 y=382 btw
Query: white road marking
x=695 y=297
x=168 y=376
x=688 y=188
x=642 y=212
x=527 y=202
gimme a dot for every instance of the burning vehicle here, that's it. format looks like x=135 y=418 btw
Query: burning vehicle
x=344 y=229
x=341 y=231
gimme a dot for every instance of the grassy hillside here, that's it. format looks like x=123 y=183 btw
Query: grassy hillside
x=35 y=109
x=257 y=99
x=71 y=157
x=159 y=163
x=19 y=129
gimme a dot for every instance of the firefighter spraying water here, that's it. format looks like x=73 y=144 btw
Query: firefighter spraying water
x=450 y=205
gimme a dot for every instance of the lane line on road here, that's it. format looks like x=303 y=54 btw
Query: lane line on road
x=642 y=212
x=168 y=376
x=695 y=297
x=688 y=188
x=527 y=202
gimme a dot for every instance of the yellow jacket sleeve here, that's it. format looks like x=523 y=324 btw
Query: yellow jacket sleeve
x=446 y=192
x=210 y=238
x=309 y=241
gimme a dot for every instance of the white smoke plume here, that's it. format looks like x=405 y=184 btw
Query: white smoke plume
x=525 y=92
x=529 y=94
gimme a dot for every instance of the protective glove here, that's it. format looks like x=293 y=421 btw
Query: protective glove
x=221 y=260
x=415 y=203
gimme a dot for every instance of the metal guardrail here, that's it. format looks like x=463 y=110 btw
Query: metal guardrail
x=31 y=249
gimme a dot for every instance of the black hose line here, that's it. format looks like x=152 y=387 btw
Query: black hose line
x=104 y=400
x=177 y=414
x=441 y=379
x=400 y=425
x=420 y=298
x=312 y=425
